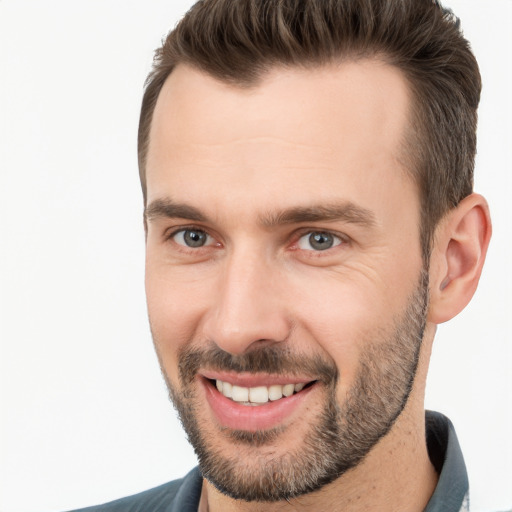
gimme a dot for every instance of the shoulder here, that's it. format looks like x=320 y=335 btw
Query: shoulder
x=178 y=495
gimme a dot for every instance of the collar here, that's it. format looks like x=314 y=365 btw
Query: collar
x=452 y=490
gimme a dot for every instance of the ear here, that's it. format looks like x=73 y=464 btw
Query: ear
x=457 y=258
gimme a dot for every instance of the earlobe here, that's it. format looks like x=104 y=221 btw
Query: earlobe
x=460 y=246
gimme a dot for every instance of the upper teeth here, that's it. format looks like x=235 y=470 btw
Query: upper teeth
x=259 y=394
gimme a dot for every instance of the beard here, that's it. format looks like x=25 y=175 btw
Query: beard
x=336 y=440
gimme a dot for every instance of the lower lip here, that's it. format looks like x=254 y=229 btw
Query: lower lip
x=236 y=416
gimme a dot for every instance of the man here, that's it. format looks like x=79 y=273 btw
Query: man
x=307 y=175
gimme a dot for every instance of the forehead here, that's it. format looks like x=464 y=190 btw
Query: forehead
x=307 y=128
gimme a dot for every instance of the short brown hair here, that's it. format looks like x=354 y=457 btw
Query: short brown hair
x=238 y=41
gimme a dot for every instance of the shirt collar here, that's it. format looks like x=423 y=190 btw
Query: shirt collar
x=452 y=490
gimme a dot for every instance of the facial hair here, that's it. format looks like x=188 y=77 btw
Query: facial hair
x=337 y=439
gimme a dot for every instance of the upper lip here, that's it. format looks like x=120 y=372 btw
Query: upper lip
x=252 y=380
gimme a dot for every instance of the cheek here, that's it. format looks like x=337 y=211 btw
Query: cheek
x=342 y=317
x=174 y=310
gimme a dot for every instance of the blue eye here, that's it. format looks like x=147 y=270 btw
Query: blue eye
x=318 y=241
x=193 y=238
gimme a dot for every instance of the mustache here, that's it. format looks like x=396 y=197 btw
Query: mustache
x=268 y=360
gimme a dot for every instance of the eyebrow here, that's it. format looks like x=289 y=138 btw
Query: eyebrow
x=167 y=208
x=345 y=211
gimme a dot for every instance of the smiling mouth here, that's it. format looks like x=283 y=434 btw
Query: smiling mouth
x=258 y=395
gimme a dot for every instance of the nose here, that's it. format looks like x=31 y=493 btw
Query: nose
x=248 y=309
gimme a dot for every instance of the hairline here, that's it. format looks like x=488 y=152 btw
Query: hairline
x=408 y=161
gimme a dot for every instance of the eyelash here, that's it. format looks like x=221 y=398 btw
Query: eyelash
x=309 y=238
x=172 y=236
x=338 y=239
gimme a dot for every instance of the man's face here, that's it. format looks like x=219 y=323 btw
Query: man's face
x=284 y=275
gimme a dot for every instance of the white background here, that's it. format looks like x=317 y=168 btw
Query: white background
x=84 y=412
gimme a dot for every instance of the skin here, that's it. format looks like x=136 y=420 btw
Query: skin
x=301 y=139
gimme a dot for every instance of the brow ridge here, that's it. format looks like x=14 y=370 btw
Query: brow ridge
x=167 y=208
x=343 y=211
